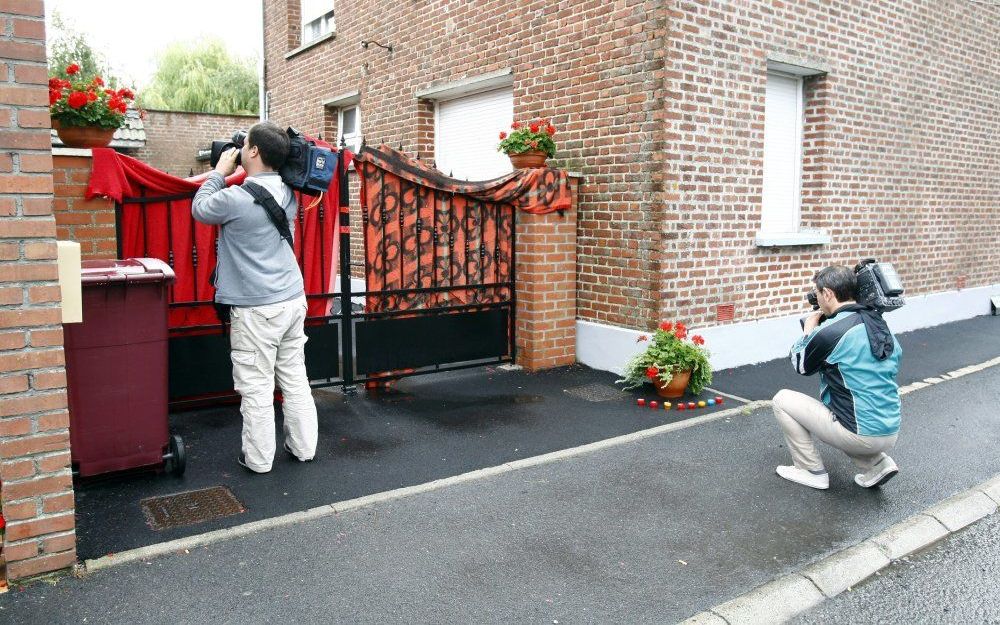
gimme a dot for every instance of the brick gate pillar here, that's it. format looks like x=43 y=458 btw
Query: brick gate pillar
x=36 y=487
x=545 y=269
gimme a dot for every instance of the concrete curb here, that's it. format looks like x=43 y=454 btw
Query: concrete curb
x=200 y=540
x=789 y=596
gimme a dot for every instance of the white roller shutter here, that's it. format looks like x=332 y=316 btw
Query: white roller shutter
x=467 y=132
x=782 y=153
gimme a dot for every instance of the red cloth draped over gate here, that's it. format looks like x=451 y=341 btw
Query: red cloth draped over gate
x=423 y=229
x=164 y=229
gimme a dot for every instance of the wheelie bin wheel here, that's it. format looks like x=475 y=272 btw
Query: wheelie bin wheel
x=176 y=457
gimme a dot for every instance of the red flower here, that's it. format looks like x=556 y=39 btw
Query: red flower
x=666 y=326
x=533 y=144
x=77 y=99
x=642 y=337
x=98 y=81
x=91 y=96
x=533 y=127
x=117 y=104
x=515 y=125
x=697 y=340
x=126 y=93
x=550 y=130
x=503 y=135
x=680 y=331
x=55 y=83
x=54 y=95
x=72 y=68
x=652 y=372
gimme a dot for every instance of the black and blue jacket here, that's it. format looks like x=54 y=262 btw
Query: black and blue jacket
x=857 y=358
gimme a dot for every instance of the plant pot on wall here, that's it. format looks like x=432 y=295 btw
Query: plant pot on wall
x=529 y=159
x=83 y=136
x=676 y=387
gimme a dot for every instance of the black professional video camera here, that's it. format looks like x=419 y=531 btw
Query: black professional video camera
x=218 y=147
x=309 y=168
x=879 y=286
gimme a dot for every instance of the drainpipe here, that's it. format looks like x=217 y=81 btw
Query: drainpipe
x=262 y=68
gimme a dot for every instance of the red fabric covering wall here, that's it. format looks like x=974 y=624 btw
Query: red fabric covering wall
x=164 y=229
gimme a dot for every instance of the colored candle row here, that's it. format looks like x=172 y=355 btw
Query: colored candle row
x=680 y=405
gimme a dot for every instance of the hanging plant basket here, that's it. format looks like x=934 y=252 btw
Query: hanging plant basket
x=83 y=136
x=529 y=159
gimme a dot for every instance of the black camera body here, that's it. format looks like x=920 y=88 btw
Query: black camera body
x=879 y=286
x=308 y=168
x=218 y=147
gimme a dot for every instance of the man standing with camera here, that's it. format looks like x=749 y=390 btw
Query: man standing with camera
x=857 y=358
x=259 y=280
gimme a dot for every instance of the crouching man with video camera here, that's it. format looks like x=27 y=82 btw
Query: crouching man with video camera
x=857 y=358
x=260 y=288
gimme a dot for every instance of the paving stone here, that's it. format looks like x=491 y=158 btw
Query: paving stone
x=958 y=511
x=992 y=489
x=774 y=602
x=910 y=535
x=838 y=572
x=704 y=618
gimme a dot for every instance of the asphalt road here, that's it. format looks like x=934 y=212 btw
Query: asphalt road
x=650 y=531
x=957 y=581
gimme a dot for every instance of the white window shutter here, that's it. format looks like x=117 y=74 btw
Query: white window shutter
x=467 y=133
x=782 y=154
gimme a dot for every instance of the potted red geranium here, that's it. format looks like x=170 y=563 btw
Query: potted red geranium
x=84 y=111
x=672 y=362
x=528 y=145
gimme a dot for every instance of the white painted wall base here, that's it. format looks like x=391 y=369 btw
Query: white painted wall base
x=607 y=347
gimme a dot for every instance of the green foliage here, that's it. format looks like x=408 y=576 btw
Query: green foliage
x=670 y=351
x=67 y=46
x=203 y=78
x=529 y=136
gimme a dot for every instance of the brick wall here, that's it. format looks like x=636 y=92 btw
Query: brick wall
x=594 y=68
x=174 y=138
x=899 y=149
x=36 y=494
x=91 y=223
x=660 y=105
x=545 y=268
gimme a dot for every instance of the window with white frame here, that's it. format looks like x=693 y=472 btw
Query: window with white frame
x=349 y=126
x=317 y=19
x=466 y=132
x=783 y=123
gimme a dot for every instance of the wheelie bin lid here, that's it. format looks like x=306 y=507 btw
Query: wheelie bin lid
x=127 y=270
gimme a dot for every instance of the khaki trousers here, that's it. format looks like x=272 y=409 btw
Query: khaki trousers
x=802 y=417
x=268 y=342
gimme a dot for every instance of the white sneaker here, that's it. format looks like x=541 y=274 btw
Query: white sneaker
x=819 y=481
x=881 y=473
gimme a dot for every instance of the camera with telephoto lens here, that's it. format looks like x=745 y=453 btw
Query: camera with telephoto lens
x=218 y=147
x=879 y=286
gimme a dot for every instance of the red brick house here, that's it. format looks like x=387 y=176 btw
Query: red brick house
x=728 y=149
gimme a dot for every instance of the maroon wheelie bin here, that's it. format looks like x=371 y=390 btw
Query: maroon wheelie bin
x=116 y=368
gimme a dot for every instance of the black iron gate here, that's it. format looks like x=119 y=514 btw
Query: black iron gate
x=352 y=342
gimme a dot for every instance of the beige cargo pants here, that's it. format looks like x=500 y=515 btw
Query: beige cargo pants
x=268 y=343
x=802 y=417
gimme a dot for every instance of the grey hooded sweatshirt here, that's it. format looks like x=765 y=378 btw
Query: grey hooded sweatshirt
x=256 y=267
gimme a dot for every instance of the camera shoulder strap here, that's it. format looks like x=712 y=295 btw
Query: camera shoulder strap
x=274 y=212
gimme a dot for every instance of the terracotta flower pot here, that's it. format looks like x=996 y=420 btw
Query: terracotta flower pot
x=677 y=385
x=529 y=159
x=83 y=136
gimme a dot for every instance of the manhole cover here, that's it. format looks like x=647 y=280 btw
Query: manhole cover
x=190 y=508
x=595 y=392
